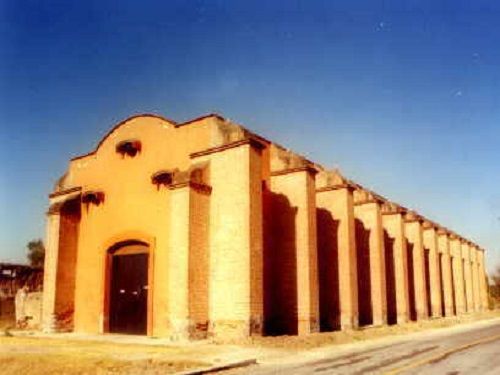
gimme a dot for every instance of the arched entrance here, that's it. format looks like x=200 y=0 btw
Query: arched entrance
x=128 y=288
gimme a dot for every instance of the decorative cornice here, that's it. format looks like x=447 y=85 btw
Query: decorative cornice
x=347 y=186
x=363 y=196
x=428 y=224
x=202 y=188
x=412 y=217
x=55 y=208
x=57 y=205
x=249 y=141
x=463 y=240
x=328 y=180
x=387 y=213
x=305 y=168
x=443 y=231
x=65 y=192
x=367 y=201
x=391 y=208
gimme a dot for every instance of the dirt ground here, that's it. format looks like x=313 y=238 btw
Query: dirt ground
x=39 y=355
x=62 y=364
x=343 y=337
x=21 y=353
x=6 y=323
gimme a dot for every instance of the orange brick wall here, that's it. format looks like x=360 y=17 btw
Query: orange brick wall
x=251 y=244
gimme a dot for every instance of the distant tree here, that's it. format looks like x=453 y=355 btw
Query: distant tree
x=36 y=253
x=496 y=277
x=495 y=288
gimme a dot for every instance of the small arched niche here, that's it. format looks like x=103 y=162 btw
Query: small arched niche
x=162 y=178
x=129 y=147
x=93 y=197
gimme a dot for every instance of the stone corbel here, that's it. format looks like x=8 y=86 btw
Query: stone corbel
x=333 y=180
x=363 y=196
x=412 y=216
x=443 y=231
x=391 y=208
x=428 y=224
x=59 y=198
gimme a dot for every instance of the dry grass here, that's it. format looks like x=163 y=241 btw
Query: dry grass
x=62 y=364
x=57 y=356
x=29 y=355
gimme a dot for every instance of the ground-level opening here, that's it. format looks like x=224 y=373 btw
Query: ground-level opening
x=441 y=284
x=464 y=289
x=364 y=274
x=453 y=290
x=427 y=275
x=411 y=283
x=128 y=288
x=390 y=279
x=328 y=271
x=280 y=266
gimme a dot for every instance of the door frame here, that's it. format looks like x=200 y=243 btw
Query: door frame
x=110 y=253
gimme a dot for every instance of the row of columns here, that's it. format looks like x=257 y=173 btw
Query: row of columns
x=390 y=265
x=432 y=272
x=265 y=249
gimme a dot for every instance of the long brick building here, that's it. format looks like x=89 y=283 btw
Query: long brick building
x=204 y=228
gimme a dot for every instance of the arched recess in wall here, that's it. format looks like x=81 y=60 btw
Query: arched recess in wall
x=128 y=288
x=280 y=266
x=390 y=279
x=328 y=270
x=363 y=261
x=70 y=215
x=411 y=283
x=427 y=275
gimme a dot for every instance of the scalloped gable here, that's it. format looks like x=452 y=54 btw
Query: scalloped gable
x=124 y=123
x=160 y=139
x=225 y=132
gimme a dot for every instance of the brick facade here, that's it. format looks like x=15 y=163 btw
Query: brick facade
x=242 y=237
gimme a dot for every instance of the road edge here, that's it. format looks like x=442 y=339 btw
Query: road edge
x=224 y=367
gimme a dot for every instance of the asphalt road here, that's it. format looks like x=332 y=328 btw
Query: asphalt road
x=463 y=350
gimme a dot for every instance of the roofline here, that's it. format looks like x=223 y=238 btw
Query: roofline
x=264 y=140
x=150 y=115
x=24 y=265
x=199 y=118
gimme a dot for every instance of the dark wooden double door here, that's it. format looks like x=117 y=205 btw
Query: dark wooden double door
x=129 y=294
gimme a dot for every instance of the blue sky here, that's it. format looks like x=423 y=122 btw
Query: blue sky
x=403 y=96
